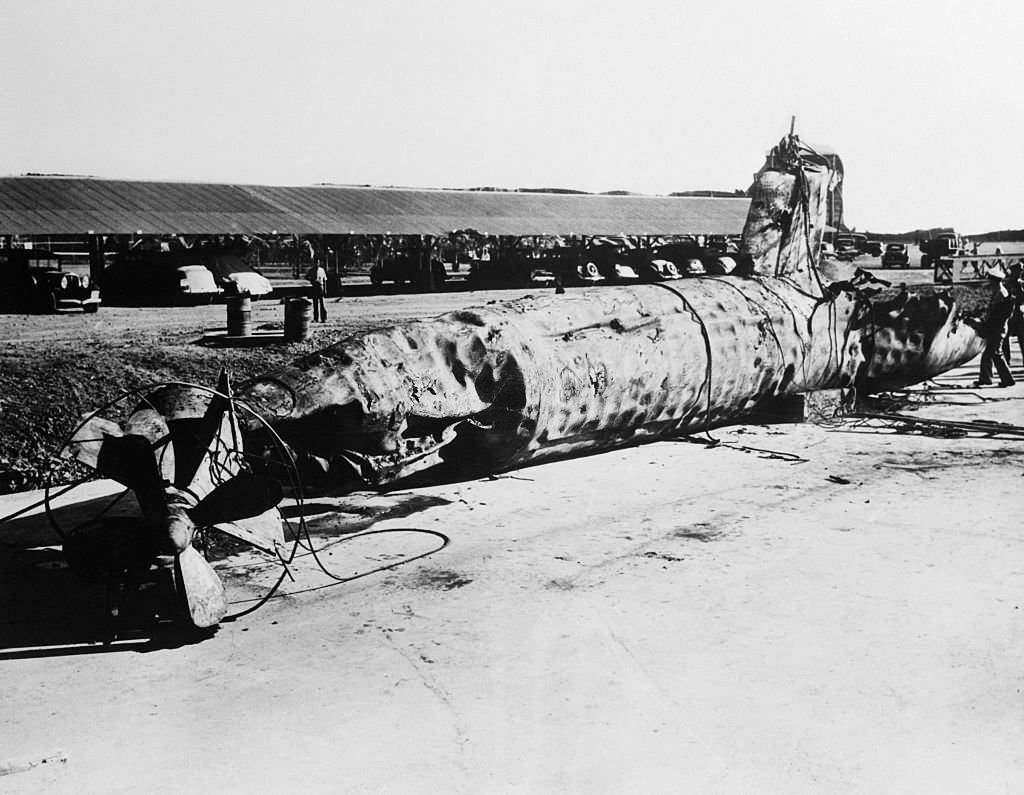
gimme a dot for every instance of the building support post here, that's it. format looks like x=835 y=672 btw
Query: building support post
x=95 y=256
x=426 y=256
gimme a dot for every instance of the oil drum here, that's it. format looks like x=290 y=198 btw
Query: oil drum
x=297 y=314
x=239 y=316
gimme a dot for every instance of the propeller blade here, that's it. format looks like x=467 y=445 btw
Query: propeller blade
x=129 y=460
x=243 y=496
x=85 y=445
x=219 y=444
x=150 y=423
x=199 y=423
x=201 y=587
x=265 y=531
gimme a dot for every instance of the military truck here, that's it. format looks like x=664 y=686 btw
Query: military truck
x=849 y=246
x=941 y=245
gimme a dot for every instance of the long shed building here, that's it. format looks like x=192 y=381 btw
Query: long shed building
x=78 y=206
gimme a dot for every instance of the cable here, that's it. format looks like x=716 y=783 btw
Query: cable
x=339 y=580
x=758 y=307
x=707 y=349
x=769 y=453
x=987 y=427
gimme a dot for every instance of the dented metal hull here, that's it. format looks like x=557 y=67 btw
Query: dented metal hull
x=501 y=386
x=513 y=383
x=912 y=340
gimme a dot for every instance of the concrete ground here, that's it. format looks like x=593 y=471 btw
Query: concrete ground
x=669 y=618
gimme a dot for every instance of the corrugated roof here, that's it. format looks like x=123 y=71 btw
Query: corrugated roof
x=73 y=205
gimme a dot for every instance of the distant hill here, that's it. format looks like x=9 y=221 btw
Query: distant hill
x=705 y=194
x=1000 y=236
x=551 y=190
x=924 y=234
x=713 y=194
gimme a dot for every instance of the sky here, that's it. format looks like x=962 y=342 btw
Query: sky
x=922 y=100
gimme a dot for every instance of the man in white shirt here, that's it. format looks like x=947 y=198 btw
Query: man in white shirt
x=318 y=278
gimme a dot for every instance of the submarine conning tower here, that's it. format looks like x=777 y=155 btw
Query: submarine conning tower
x=789 y=207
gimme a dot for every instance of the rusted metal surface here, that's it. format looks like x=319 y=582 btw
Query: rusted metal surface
x=500 y=386
x=496 y=387
x=788 y=211
x=913 y=338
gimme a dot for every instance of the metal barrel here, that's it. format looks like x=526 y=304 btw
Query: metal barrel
x=297 y=314
x=239 y=316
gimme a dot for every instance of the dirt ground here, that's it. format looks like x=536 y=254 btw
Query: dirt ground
x=803 y=608
x=54 y=368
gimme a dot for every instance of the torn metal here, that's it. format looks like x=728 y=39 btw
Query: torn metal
x=491 y=388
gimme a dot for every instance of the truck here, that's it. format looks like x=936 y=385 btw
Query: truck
x=938 y=246
x=850 y=246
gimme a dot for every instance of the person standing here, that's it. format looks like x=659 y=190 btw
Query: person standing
x=1015 y=325
x=995 y=334
x=318 y=278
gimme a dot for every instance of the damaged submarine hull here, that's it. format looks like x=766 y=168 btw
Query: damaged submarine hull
x=491 y=388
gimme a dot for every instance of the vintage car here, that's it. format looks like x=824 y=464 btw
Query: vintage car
x=157 y=279
x=650 y=268
x=722 y=244
x=236 y=277
x=691 y=259
x=32 y=280
x=895 y=256
x=612 y=263
x=571 y=265
x=847 y=247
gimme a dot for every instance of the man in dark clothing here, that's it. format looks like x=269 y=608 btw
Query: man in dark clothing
x=995 y=335
x=1015 y=285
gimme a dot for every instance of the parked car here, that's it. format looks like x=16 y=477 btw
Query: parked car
x=612 y=263
x=32 y=280
x=540 y=277
x=847 y=247
x=688 y=257
x=571 y=265
x=873 y=248
x=235 y=276
x=148 y=278
x=651 y=268
x=722 y=244
x=895 y=256
x=199 y=282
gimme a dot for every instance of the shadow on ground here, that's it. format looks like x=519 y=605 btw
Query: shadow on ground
x=50 y=612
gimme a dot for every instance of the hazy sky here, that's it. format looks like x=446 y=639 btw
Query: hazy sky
x=921 y=99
